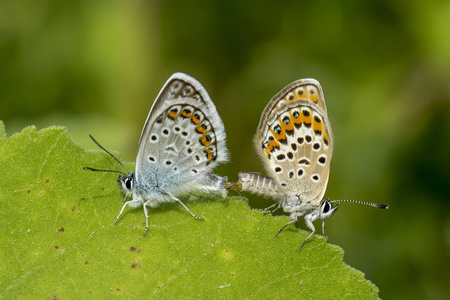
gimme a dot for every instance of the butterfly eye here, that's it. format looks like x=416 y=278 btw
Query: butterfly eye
x=128 y=183
x=326 y=207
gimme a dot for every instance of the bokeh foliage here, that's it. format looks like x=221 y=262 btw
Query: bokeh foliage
x=96 y=66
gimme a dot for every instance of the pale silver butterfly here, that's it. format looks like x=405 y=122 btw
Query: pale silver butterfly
x=183 y=139
x=295 y=142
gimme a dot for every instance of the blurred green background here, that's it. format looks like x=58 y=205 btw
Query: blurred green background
x=96 y=67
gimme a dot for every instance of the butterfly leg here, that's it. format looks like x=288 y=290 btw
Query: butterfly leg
x=268 y=211
x=323 y=229
x=123 y=207
x=197 y=196
x=146 y=219
x=310 y=225
x=192 y=214
x=288 y=223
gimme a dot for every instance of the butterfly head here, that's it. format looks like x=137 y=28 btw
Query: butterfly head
x=126 y=183
x=327 y=209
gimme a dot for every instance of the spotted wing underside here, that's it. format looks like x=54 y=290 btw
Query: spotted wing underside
x=295 y=140
x=183 y=136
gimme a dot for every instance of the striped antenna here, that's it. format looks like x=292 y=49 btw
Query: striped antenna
x=382 y=206
x=100 y=170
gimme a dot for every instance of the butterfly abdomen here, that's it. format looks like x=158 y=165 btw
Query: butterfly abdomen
x=259 y=184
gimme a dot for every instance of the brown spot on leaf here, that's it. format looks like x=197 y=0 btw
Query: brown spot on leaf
x=61 y=229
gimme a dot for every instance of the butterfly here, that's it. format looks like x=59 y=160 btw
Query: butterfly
x=183 y=139
x=295 y=142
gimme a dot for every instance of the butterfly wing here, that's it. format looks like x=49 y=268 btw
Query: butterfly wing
x=183 y=137
x=294 y=140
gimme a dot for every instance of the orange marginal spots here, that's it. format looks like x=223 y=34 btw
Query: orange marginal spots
x=300 y=92
x=186 y=113
x=297 y=120
x=209 y=156
x=271 y=146
x=317 y=125
x=205 y=140
x=325 y=138
x=200 y=129
x=307 y=117
x=288 y=125
x=195 y=119
x=279 y=134
x=172 y=114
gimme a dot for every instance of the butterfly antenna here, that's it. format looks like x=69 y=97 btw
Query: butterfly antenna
x=382 y=206
x=101 y=147
x=100 y=170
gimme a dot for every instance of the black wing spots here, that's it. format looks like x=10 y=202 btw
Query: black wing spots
x=322 y=160
x=154 y=138
x=294 y=147
x=290 y=132
x=281 y=157
x=165 y=132
x=315 y=177
x=278 y=169
x=304 y=161
x=308 y=138
x=316 y=146
x=291 y=96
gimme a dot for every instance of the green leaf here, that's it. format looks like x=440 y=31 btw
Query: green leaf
x=58 y=237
